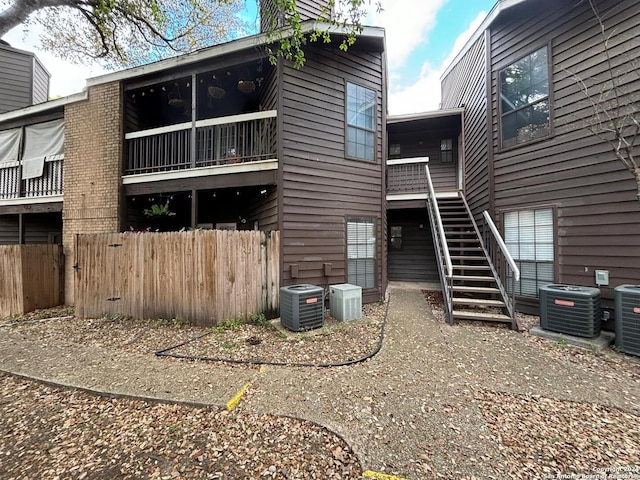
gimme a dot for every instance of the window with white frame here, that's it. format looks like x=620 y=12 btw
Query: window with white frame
x=524 y=99
x=528 y=235
x=361 y=252
x=361 y=121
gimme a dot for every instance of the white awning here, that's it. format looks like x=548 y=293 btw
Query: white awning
x=10 y=145
x=41 y=140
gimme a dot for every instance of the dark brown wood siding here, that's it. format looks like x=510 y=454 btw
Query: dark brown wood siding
x=307 y=9
x=444 y=175
x=598 y=215
x=465 y=85
x=320 y=187
x=264 y=209
x=415 y=260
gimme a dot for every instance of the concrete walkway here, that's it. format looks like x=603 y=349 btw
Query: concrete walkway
x=406 y=411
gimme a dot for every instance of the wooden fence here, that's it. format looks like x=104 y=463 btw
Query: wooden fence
x=31 y=277
x=203 y=277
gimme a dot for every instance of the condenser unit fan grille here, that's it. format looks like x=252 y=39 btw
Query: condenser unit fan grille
x=627 y=303
x=302 y=307
x=570 y=309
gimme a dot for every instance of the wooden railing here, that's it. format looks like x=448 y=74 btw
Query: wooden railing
x=406 y=175
x=50 y=183
x=216 y=141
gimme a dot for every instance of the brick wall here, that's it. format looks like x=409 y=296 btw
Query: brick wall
x=92 y=169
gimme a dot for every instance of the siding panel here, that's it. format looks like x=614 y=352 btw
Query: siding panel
x=598 y=215
x=416 y=260
x=465 y=84
x=320 y=187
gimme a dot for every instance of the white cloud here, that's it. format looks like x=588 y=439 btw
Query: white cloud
x=66 y=77
x=407 y=24
x=424 y=93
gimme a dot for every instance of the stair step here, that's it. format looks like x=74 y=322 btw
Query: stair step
x=486 y=317
x=463 y=240
x=479 y=302
x=459 y=232
x=465 y=249
x=467 y=257
x=474 y=278
x=464 y=288
x=471 y=267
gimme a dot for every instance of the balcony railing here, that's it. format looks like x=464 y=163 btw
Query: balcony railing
x=205 y=143
x=406 y=175
x=50 y=183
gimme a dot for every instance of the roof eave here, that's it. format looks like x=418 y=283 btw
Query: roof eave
x=231 y=47
x=498 y=8
x=424 y=115
x=43 y=107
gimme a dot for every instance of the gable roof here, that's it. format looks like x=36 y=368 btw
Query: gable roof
x=491 y=17
x=374 y=34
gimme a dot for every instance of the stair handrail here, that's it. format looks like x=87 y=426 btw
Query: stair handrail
x=497 y=240
x=441 y=247
x=432 y=195
x=502 y=245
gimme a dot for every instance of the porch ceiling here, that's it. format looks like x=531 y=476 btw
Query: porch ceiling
x=227 y=176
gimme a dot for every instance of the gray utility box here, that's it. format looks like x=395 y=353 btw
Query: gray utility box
x=570 y=309
x=627 y=302
x=345 y=301
x=302 y=307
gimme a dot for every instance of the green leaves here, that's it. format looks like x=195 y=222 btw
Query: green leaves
x=345 y=16
x=157 y=210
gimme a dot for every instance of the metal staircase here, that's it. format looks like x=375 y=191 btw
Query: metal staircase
x=472 y=279
x=475 y=291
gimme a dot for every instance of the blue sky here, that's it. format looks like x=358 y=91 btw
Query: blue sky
x=422 y=38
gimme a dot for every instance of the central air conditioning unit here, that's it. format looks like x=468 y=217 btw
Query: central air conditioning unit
x=345 y=301
x=627 y=303
x=302 y=307
x=570 y=309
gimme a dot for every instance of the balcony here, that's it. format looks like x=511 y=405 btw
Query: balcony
x=14 y=190
x=406 y=176
x=203 y=146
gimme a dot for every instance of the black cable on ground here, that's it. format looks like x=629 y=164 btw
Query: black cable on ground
x=164 y=353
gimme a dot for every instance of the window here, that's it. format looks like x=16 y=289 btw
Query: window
x=446 y=150
x=528 y=235
x=361 y=252
x=524 y=99
x=361 y=120
x=395 y=238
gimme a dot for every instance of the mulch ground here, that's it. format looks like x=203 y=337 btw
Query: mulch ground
x=46 y=432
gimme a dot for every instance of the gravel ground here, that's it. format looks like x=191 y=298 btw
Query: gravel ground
x=466 y=401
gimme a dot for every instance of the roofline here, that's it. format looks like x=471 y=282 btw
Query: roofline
x=230 y=47
x=8 y=46
x=43 y=107
x=498 y=8
x=449 y=112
